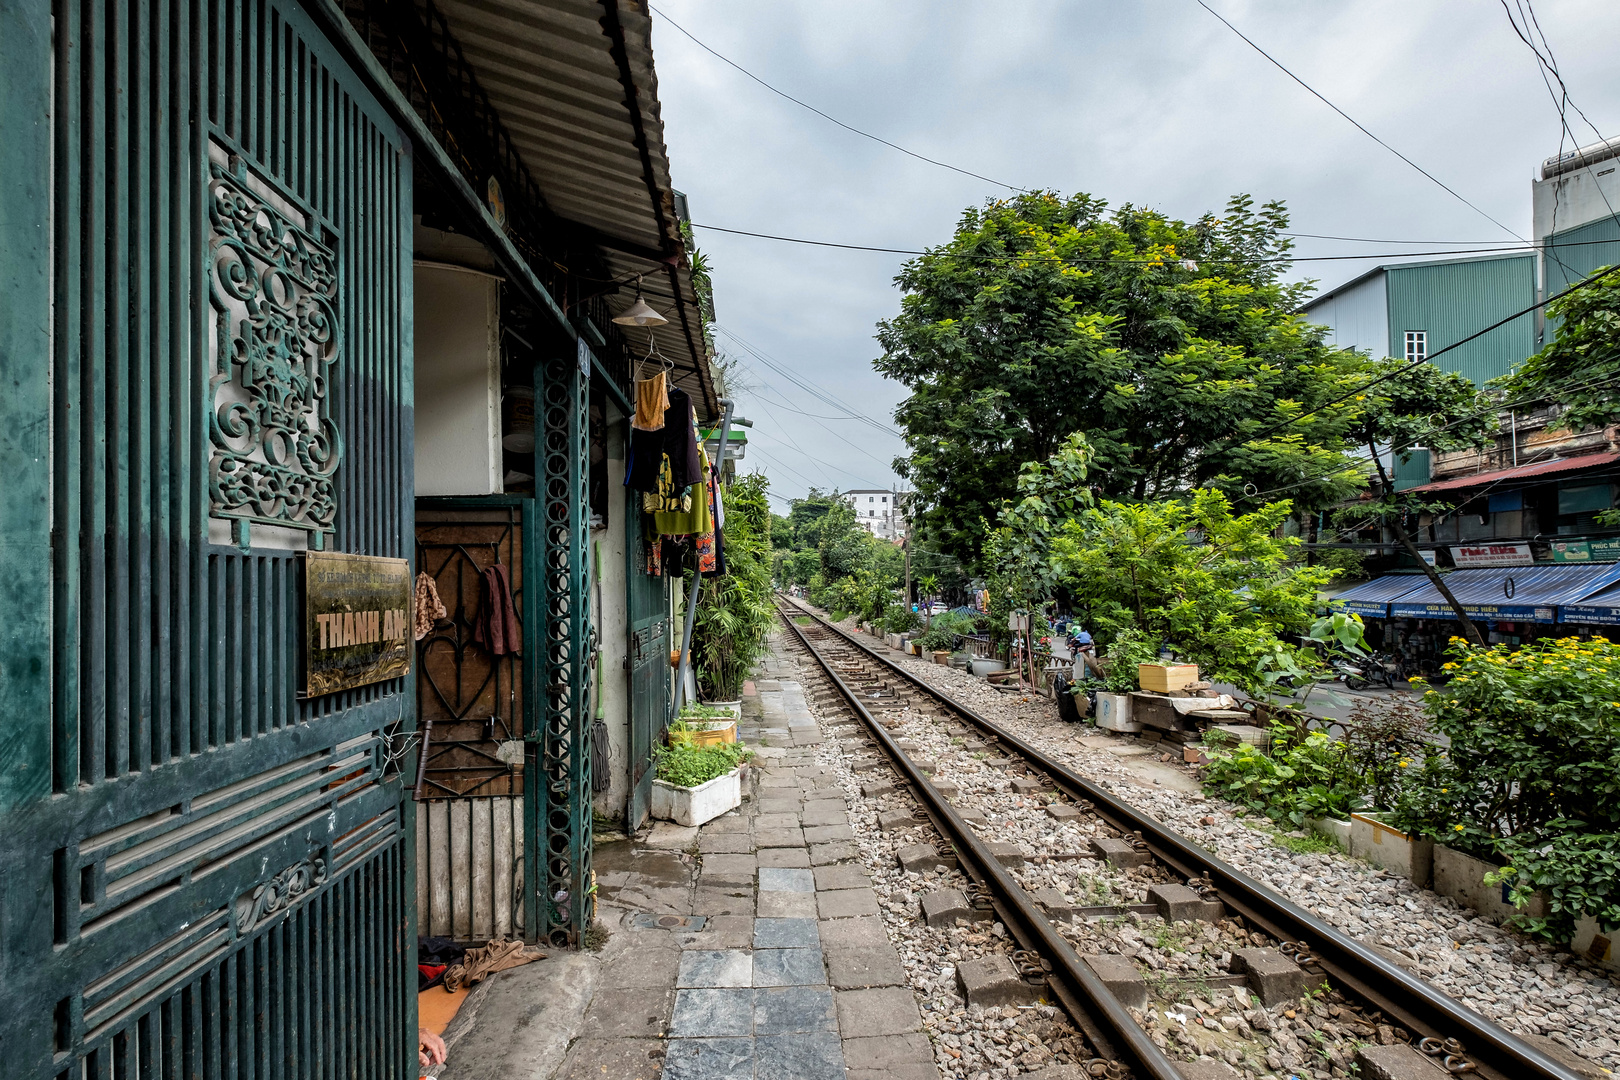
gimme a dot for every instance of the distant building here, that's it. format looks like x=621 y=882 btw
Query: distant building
x=1575 y=203
x=879 y=512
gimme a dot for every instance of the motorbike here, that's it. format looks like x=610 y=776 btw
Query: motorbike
x=1385 y=668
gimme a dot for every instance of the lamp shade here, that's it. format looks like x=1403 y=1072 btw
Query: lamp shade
x=640 y=313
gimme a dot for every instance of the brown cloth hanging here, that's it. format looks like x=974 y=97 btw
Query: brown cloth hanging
x=496 y=626
x=652 y=401
x=428 y=609
x=486 y=960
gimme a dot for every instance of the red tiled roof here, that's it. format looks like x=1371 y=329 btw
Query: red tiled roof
x=1523 y=472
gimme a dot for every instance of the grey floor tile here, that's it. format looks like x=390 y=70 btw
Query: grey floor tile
x=787 y=905
x=785 y=933
x=710 y=1059
x=784 y=856
x=707 y=1014
x=785 y=879
x=794 y=1009
x=629 y=1014
x=788 y=967
x=715 y=967
x=798 y=1057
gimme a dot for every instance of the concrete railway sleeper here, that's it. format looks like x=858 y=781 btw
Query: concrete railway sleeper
x=1351 y=1002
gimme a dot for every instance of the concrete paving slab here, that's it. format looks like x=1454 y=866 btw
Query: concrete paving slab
x=629 y=1014
x=622 y=1059
x=830 y=816
x=715 y=967
x=787 y=905
x=822 y=834
x=710 y=1059
x=845 y=876
x=667 y=834
x=769 y=838
x=722 y=902
x=728 y=869
x=712 y=1013
x=890 y=1010
x=864 y=930
x=789 y=967
x=725 y=843
x=542 y=1004
x=871 y=965
x=785 y=933
x=786 y=879
x=641 y=968
x=722 y=932
x=794 y=1010
x=774 y=820
x=846 y=903
x=838 y=851
x=817 y=1056
x=889 y=1052
x=783 y=856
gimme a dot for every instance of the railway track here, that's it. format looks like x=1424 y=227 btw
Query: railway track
x=1364 y=994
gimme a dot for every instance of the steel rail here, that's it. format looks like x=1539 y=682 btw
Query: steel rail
x=1408 y=1001
x=1098 y=1013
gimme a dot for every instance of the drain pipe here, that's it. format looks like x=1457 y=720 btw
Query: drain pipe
x=697 y=576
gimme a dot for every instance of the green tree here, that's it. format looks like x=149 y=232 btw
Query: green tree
x=1174 y=346
x=735 y=611
x=1579 y=369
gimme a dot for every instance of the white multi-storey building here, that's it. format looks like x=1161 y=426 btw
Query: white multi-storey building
x=879 y=512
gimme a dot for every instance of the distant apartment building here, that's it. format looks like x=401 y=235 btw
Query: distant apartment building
x=879 y=512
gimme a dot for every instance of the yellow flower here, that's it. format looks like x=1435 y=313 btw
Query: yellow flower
x=1444 y=790
x=1404 y=764
x=1459 y=828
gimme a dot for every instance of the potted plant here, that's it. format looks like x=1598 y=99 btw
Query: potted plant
x=693 y=784
x=704 y=724
x=735 y=611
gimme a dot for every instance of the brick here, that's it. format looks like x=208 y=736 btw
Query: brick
x=895 y=820
x=923 y=858
x=992 y=980
x=889 y=1010
x=1273 y=977
x=1397 y=1062
x=1121 y=978
x=1120 y=854
x=1062 y=811
x=1181 y=903
x=1006 y=852
x=846 y=903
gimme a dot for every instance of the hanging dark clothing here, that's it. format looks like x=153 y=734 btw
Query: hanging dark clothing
x=496 y=625
x=680 y=440
x=646 y=453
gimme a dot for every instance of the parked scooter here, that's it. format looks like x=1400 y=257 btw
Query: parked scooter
x=1380 y=667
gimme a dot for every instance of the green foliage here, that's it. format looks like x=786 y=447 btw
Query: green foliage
x=685 y=765
x=900 y=619
x=1579 y=368
x=1311 y=776
x=736 y=610
x=1530 y=774
x=1049 y=493
x=1221 y=589
x=1127 y=652
x=947 y=629
x=1170 y=343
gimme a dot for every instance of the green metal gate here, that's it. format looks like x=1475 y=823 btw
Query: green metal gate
x=648 y=599
x=204 y=348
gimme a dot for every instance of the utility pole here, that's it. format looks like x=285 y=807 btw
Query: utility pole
x=905 y=547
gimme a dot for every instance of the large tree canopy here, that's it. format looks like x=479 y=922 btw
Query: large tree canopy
x=1173 y=346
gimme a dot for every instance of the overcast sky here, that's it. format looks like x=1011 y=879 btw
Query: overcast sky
x=1150 y=103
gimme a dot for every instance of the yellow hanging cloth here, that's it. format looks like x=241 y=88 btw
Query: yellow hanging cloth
x=652 y=401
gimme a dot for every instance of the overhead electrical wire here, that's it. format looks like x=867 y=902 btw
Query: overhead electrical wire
x=825 y=116
x=1357 y=124
x=1106 y=261
x=808 y=386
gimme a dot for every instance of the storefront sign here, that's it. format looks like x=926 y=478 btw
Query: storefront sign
x=357 y=621
x=1492 y=555
x=1605 y=550
x=1571 y=551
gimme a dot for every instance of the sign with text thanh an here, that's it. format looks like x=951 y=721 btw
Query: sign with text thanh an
x=1468 y=555
x=357 y=621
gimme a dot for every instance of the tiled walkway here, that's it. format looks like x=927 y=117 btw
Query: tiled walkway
x=818 y=989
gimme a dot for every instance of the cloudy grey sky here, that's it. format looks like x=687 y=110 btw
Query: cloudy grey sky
x=1153 y=103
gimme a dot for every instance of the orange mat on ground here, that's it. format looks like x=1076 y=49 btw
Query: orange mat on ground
x=436 y=1007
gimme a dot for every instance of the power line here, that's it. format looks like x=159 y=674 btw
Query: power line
x=1110 y=261
x=1356 y=123
x=825 y=116
x=821 y=394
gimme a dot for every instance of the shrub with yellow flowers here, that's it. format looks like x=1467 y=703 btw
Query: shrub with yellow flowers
x=1529 y=773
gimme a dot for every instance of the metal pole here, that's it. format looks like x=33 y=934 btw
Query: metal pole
x=697 y=577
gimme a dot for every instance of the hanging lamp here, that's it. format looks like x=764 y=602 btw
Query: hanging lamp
x=640 y=313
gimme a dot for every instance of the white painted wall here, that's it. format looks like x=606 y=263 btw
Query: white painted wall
x=610 y=616
x=1356 y=317
x=458 y=381
x=1576 y=198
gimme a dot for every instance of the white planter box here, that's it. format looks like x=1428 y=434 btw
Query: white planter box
x=1114 y=713
x=733 y=708
x=1596 y=943
x=1462 y=877
x=892 y=640
x=1332 y=828
x=694 y=806
x=1383 y=845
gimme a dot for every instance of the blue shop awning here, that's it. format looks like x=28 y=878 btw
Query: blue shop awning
x=1509 y=593
x=1371 y=598
x=1599 y=609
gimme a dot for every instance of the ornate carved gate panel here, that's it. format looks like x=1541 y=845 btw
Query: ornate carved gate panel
x=204 y=873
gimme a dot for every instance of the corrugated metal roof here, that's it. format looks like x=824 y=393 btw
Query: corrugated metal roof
x=586 y=120
x=1509 y=592
x=1373 y=597
x=1523 y=472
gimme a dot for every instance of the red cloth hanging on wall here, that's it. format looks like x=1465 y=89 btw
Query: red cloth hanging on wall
x=497 y=628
